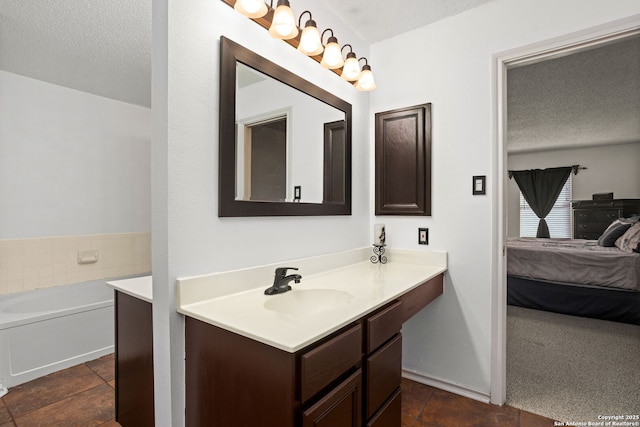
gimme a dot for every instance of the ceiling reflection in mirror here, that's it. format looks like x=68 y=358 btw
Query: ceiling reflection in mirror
x=280 y=142
x=285 y=144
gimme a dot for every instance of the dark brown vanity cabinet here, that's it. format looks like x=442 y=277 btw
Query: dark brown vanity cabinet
x=232 y=380
x=349 y=379
x=134 y=361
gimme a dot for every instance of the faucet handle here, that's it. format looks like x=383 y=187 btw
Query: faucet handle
x=282 y=271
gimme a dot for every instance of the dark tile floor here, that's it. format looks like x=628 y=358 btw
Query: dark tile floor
x=84 y=395
x=81 y=396
x=424 y=406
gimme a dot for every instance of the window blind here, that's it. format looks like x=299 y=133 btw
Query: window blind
x=558 y=220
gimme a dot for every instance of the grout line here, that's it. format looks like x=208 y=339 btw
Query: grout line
x=426 y=403
x=11 y=418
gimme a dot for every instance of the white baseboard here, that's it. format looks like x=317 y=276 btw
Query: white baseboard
x=447 y=386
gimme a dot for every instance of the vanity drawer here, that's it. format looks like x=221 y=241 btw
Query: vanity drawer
x=383 y=374
x=383 y=325
x=390 y=415
x=327 y=362
x=342 y=406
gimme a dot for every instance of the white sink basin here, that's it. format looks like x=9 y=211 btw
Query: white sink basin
x=308 y=301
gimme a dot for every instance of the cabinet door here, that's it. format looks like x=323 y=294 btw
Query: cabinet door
x=390 y=415
x=403 y=161
x=383 y=374
x=134 y=361
x=341 y=407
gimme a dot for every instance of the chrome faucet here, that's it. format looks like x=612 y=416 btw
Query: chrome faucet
x=281 y=281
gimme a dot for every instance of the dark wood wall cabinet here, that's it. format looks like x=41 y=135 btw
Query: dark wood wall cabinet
x=403 y=161
x=592 y=217
x=349 y=379
x=134 y=361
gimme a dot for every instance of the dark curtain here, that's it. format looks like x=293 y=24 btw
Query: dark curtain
x=541 y=188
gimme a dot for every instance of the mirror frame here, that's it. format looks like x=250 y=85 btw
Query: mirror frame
x=228 y=206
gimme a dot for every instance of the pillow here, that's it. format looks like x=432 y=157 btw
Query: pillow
x=613 y=232
x=630 y=240
x=634 y=218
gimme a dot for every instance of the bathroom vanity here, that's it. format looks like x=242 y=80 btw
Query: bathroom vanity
x=327 y=353
x=134 y=351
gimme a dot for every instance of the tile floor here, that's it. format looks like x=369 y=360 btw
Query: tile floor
x=84 y=395
x=424 y=406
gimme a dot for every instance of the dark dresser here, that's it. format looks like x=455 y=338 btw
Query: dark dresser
x=592 y=217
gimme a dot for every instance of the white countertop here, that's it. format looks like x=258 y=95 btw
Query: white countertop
x=138 y=287
x=370 y=286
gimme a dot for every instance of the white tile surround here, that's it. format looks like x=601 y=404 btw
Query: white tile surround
x=27 y=264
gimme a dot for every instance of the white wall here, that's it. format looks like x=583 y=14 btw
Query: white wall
x=188 y=237
x=449 y=64
x=612 y=168
x=71 y=163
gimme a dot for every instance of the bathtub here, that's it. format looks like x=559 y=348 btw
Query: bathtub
x=46 y=330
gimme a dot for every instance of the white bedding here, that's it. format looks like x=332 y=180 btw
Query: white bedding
x=573 y=261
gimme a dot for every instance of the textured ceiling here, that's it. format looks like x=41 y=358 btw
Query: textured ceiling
x=104 y=47
x=588 y=98
x=97 y=46
x=376 y=20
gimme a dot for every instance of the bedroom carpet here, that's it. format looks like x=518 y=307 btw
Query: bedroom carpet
x=570 y=368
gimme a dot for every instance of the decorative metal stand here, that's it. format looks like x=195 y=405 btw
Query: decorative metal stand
x=378 y=250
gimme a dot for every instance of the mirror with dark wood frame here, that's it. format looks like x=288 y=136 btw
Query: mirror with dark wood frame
x=285 y=144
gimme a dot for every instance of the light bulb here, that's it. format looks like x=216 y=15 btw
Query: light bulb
x=310 y=43
x=366 y=82
x=251 y=8
x=351 y=69
x=332 y=58
x=283 y=25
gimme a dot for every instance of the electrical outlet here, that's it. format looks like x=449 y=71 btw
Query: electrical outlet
x=423 y=236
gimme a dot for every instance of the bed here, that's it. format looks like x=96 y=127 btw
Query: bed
x=574 y=276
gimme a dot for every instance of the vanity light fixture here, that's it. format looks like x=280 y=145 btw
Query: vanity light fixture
x=251 y=8
x=351 y=68
x=283 y=25
x=366 y=82
x=310 y=41
x=332 y=58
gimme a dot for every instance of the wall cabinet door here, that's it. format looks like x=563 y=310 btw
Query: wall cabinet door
x=341 y=407
x=403 y=161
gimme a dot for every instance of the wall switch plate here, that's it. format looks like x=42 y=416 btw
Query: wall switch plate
x=423 y=236
x=479 y=185
x=297 y=193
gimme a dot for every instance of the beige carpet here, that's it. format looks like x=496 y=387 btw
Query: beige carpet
x=572 y=369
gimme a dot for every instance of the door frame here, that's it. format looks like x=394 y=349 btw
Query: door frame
x=501 y=62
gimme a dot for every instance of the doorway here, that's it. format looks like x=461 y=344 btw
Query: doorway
x=502 y=62
x=265 y=160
